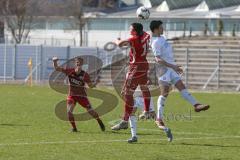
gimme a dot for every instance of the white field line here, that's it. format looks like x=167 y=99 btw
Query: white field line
x=113 y=122
x=109 y=141
x=184 y=133
x=224 y=116
x=201 y=116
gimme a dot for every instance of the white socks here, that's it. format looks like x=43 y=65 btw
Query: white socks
x=187 y=96
x=133 y=125
x=160 y=106
x=151 y=107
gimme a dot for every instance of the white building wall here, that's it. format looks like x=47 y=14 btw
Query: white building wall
x=92 y=38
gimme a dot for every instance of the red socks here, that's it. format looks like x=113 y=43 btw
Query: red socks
x=147 y=97
x=128 y=106
x=71 y=120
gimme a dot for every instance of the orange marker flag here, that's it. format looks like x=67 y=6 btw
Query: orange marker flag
x=30 y=62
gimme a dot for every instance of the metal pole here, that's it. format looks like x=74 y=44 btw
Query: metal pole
x=5 y=63
x=41 y=60
x=218 y=72
x=186 y=72
x=86 y=32
x=36 y=63
x=52 y=41
x=68 y=52
x=14 y=62
x=98 y=55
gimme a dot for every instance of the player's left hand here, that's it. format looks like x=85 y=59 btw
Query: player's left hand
x=178 y=69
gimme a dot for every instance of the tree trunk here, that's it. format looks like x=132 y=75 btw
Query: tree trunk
x=80 y=34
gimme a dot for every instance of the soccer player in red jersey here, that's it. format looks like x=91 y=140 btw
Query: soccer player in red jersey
x=137 y=75
x=77 y=90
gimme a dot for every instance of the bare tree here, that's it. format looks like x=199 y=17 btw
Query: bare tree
x=78 y=13
x=79 y=8
x=107 y=3
x=18 y=18
x=19 y=14
x=74 y=8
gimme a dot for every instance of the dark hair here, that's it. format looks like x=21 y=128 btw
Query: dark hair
x=138 y=27
x=155 y=25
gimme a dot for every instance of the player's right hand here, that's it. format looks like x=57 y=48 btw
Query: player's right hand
x=55 y=58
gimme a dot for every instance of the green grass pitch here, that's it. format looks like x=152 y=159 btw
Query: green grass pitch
x=29 y=130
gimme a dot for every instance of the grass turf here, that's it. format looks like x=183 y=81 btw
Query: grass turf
x=29 y=129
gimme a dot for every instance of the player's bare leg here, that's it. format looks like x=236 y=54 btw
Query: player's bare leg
x=160 y=105
x=187 y=96
x=70 y=108
x=95 y=115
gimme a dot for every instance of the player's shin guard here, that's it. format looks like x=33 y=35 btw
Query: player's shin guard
x=187 y=96
x=133 y=125
x=160 y=106
x=147 y=97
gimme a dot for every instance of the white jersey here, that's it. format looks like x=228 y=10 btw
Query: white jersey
x=163 y=49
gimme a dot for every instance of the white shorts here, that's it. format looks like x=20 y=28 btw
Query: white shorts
x=139 y=103
x=170 y=77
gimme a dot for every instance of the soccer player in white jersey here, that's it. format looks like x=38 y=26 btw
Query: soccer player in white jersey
x=168 y=74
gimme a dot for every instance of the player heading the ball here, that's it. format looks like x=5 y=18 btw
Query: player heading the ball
x=137 y=75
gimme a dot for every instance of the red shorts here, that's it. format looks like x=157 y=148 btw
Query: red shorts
x=83 y=101
x=136 y=77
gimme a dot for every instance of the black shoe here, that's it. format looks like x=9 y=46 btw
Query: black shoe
x=74 y=130
x=101 y=125
x=169 y=135
x=132 y=140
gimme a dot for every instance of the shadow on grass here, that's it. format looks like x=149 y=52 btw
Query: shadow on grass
x=209 y=145
x=187 y=144
x=113 y=132
x=14 y=125
x=128 y=133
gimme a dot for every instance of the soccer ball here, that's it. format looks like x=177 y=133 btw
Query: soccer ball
x=143 y=13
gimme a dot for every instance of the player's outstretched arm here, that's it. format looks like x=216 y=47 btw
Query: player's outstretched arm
x=93 y=84
x=55 y=65
x=176 y=68
x=173 y=39
x=122 y=43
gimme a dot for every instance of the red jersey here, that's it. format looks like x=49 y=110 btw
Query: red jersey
x=139 y=50
x=77 y=82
